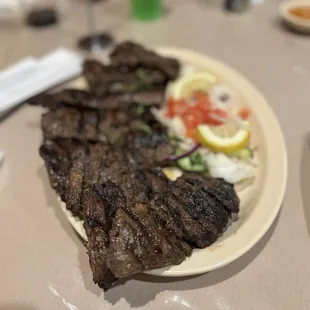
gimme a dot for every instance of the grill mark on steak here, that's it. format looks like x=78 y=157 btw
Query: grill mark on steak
x=219 y=190
x=90 y=125
x=80 y=128
x=164 y=219
x=76 y=180
x=137 y=244
x=92 y=174
x=97 y=223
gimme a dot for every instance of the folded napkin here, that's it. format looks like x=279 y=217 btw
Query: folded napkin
x=32 y=76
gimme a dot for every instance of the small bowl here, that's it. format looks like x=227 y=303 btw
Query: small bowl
x=294 y=22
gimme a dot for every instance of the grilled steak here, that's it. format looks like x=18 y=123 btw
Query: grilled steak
x=140 y=135
x=103 y=149
x=135 y=219
x=83 y=99
x=87 y=125
x=133 y=55
x=135 y=75
x=103 y=80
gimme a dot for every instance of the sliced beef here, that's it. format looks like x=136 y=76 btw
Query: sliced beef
x=89 y=125
x=201 y=218
x=104 y=80
x=82 y=99
x=137 y=244
x=61 y=122
x=151 y=148
x=135 y=218
x=97 y=223
x=68 y=97
x=144 y=140
x=76 y=178
x=58 y=163
x=218 y=189
x=133 y=55
x=103 y=149
x=135 y=75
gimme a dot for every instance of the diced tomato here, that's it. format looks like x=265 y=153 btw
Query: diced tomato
x=192 y=118
x=175 y=107
x=170 y=108
x=180 y=106
x=204 y=105
x=199 y=95
x=195 y=112
x=213 y=120
x=192 y=134
x=201 y=100
x=244 y=113
x=189 y=121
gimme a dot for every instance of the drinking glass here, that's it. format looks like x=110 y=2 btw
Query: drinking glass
x=94 y=41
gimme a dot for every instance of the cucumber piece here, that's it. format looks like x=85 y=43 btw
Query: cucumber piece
x=186 y=165
x=191 y=163
x=244 y=154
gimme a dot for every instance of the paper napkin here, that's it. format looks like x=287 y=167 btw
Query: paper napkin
x=32 y=76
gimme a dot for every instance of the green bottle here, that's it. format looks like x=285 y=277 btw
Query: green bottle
x=146 y=10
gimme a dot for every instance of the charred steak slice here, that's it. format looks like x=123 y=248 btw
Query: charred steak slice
x=135 y=218
x=61 y=122
x=86 y=125
x=218 y=189
x=97 y=223
x=144 y=140
x=162 y=230
x=82 y=99
x=104 y=80
x=58 y=163
x=70 y=123
x=137 y=244
x=134 y=55
x=201 y=218
x=135 y=241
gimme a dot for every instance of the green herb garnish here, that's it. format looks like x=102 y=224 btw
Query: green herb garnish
x=139 y=110
x=175 y=138
x=145 y=128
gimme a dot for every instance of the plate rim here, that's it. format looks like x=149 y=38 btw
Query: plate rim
x=281 y=165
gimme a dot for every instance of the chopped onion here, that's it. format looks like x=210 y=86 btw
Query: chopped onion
x=232 y=171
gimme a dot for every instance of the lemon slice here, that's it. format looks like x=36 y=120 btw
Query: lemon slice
x=227 y=138
x=185 y=87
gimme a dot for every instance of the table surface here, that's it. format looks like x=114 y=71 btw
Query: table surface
x=44 y=265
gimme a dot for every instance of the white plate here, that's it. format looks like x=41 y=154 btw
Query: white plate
x=260 y=202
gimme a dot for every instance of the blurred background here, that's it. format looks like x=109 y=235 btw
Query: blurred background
x=37 y=26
